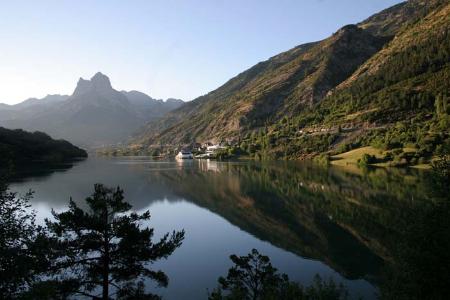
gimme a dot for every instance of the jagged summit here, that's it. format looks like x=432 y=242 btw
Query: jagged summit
x=99 y=82
x=94 y=115
x=82 y=87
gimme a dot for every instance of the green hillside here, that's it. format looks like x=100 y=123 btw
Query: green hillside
x=283 y=85
x=383 y=82
x=398 y=98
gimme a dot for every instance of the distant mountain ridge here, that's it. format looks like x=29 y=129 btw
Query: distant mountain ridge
x=94 y=115
x=49 y=99
x=291 y=83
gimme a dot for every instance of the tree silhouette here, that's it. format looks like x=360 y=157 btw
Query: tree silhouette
x=254 y=278
x=103 y=252
x=23 y=251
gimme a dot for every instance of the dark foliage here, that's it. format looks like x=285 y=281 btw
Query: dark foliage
x=367 y=159
x=441 y=167
x=253 y=277
x=18 y=146
x=23 y=246
x=103 y=252
x=421 y=257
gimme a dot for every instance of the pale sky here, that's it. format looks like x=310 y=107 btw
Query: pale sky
x=165 y=48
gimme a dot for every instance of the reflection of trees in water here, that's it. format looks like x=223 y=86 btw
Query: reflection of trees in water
x=358 y=223
x=351 y=221
x=421 y=257
x=36 y=171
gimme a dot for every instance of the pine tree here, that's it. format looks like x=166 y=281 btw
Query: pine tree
x=103 y=252
x=254 y=278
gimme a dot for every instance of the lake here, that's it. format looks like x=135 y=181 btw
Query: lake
x=343 y=224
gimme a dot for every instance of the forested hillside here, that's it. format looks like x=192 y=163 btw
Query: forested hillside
x=283 y=85
x=20 y=147
x=398 y=98
x=383 y=82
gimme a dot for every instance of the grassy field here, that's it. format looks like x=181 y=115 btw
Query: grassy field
x=422 y=167
x=351 y=157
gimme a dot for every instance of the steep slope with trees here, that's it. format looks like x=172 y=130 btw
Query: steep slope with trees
x=388 y=21
x=283 y=85
x=292 y=83
x=398 y=98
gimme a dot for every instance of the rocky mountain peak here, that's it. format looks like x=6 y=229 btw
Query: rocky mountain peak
x=99 y=82
x=82 y=87
x=94 y=115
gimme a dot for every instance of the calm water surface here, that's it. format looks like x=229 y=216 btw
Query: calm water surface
x=308 y=220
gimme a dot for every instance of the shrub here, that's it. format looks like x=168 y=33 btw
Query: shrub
x=388 y=156
x=422 y=160
x=367 y=159
x=322 y=159
x=397 y=151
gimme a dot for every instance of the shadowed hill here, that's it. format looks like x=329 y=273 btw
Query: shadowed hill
x=21 y=147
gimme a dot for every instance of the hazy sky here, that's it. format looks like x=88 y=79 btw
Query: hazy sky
x=164 y=48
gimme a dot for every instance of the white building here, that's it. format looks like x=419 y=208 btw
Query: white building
x=211 y=150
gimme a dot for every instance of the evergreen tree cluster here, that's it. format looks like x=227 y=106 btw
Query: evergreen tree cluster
x=99 y=253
